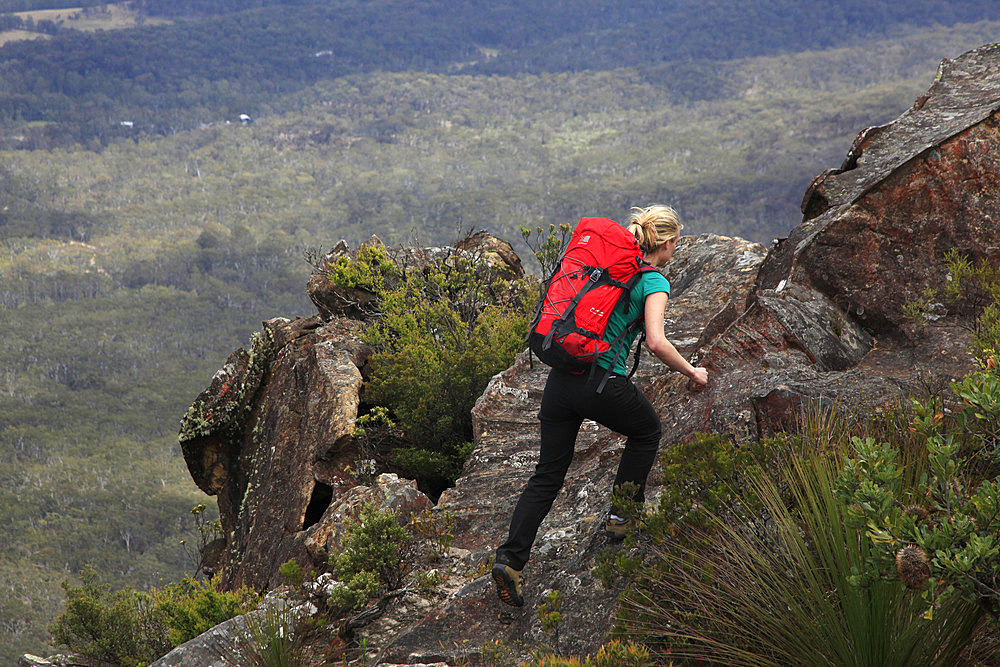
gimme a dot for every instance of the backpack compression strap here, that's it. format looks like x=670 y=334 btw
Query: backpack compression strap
x=618 y=353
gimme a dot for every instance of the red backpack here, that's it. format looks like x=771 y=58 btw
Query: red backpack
x=600 y=266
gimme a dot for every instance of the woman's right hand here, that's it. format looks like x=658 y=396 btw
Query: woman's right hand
x=699 y=376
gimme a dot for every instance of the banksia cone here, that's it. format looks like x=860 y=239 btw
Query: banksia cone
x=913 y=567
x=917 y=512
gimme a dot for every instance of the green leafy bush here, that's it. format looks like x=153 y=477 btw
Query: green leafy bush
x=374 y=557
x=440 y=334
x=370 y=269
x=702 y=476
x=934 y=519
x=110 y=628
x=940 y=533
x=703 y=485
x=775 y=587
x=190 y=607
x=291 y=573
x=128 y=627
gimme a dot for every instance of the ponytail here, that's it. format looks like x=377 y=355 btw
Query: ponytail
x=653 y=226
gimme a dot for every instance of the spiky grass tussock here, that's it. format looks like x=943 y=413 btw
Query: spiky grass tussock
x=781 y=591
x=913 y=567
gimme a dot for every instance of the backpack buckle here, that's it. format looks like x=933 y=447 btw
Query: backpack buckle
x=595 y=275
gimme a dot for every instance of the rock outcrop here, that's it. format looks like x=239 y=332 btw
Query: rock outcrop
x=825 y=319
x=272 y=435
x=819 y=319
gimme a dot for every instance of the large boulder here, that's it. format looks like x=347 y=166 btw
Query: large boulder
x=271 y=438
x=877 y=229
x=825 y=320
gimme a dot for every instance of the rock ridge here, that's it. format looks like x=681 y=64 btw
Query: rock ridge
x=817 y=319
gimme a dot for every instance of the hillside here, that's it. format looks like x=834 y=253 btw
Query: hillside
x=135 y=259
x=217 y=60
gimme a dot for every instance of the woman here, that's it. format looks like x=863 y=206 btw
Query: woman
x=570 y=398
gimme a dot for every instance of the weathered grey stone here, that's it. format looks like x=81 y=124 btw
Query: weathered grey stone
x=226 y=644
x=276 y=452
x=28 y=660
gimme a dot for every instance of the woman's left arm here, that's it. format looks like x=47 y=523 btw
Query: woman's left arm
x=656 y=340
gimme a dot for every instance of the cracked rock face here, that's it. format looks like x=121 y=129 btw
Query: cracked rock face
x=824 y=321
x=272 y=435
x=276 y=455
x=819 y=320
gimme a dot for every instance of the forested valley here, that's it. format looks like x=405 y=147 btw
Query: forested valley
x=145 y=231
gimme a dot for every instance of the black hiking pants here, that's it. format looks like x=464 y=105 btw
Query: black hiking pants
x=568 y=399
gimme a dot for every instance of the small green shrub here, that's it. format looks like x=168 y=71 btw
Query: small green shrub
x=440 y=333
x=208 y=530
x=974 y=288
x=127 y=627
x=291 y=573
x=549 y=614
x=704 y=476
x=496 y=653
x=371 y=269
x=547 y=247
x=436 y=526
x=940 y=535
x=190 y=607
x=430 y=581
x=918 y=310
x=110 y=628
x=373 y=559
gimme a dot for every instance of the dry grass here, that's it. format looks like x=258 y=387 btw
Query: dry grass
x=19 y=35
x=106 y=17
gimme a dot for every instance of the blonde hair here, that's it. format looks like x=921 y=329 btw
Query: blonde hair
x=654 y=225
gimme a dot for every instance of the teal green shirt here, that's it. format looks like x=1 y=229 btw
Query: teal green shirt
x=650 y=282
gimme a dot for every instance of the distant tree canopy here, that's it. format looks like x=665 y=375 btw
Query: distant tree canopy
x=247 y=56
x=195 y=8
x=31 y=5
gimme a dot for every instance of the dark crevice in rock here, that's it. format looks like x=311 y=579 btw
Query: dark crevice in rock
x=322 y=496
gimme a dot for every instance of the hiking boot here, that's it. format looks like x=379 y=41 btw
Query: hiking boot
x=617 y=529
x=508 y=584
